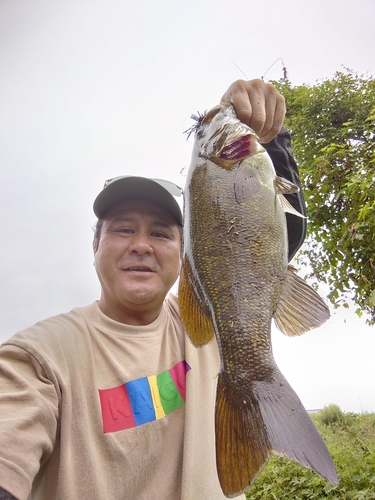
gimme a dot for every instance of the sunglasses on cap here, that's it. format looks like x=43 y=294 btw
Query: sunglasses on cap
x=173 y=188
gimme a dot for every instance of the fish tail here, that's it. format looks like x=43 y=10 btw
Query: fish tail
x=266 y=417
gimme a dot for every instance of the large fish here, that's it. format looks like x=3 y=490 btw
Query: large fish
x=235 y=278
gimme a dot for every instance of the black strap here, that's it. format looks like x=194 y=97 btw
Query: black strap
x=280 y=152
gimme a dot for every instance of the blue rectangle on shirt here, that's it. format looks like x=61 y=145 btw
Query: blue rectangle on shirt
x=141 y=400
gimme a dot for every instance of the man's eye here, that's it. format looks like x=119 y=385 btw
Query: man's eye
x=158 y=234
x=124 y=230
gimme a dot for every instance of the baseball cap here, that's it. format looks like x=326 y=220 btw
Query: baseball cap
x=129 y=186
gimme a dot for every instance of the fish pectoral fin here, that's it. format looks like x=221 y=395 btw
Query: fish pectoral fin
x=283 y=186
x=287 y=207
x=195 y=318
x=246 y=183
x=300 y=308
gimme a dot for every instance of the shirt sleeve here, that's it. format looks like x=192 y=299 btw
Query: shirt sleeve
x=280 y=152
x=28 y=419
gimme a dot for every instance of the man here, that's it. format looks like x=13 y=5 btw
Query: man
x=111 y=401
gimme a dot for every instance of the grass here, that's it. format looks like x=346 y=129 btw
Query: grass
x=350 y=439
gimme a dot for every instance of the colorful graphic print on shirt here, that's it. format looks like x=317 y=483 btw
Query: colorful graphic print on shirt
x=143 y=400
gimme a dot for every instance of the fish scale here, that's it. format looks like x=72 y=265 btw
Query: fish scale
x=234 y=279
x=217 y=280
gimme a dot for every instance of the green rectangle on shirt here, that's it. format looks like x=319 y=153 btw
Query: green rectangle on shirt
x=169 y=394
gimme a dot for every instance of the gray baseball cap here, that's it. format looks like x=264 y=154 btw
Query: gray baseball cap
x=129 y=186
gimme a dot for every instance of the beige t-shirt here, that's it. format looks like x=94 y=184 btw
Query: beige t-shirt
x=93 y=408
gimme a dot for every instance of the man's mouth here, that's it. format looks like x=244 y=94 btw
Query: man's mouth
x=141 y=269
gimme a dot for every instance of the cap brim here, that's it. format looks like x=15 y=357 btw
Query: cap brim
x=135 y=187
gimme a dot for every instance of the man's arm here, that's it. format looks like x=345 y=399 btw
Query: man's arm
x=29 y=413
x=4 y=495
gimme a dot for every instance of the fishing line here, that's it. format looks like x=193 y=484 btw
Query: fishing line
x=284 y=68
x=285 y=73
x=239 y=69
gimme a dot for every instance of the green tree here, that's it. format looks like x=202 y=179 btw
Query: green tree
x=332 y=124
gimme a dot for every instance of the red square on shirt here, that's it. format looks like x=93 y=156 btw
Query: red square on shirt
x=117 y=413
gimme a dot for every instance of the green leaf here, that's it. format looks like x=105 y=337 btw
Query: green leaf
x=371 y=299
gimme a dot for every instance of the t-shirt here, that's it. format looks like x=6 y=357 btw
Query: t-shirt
x=92 y=408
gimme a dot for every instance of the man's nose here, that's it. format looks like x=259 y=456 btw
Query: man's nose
x=140 y=244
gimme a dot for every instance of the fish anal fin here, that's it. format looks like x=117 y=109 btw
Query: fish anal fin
x=300 y=308
x=247 y=182
x=242 y=446
x=195 y=318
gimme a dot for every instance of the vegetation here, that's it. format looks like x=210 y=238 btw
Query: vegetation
x=333 y=137
x=350 y=439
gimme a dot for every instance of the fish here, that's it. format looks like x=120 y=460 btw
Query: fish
x=235 y=281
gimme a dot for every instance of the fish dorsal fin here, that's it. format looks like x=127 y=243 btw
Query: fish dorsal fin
x=195 y=318
x=300 y=308
x=287 y=207
x=283 y=186
x=247 y=183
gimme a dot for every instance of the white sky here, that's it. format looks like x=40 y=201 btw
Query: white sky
x=91 y=89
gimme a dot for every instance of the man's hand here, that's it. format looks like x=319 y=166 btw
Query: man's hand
x=259 y=105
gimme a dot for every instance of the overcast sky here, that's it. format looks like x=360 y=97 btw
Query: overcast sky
x=90 y=90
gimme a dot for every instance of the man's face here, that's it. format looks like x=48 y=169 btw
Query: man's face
x=137 y=260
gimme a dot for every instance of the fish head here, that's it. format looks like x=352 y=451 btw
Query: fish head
x=223 y=139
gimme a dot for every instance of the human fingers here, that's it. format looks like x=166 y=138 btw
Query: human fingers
x=237 y=94
x=274 y=117
x=259 y=105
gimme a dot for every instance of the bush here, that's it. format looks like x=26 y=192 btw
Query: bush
x=330 y=415
x=350 y=439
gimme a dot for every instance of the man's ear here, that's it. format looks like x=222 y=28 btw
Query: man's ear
x=97 y=233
